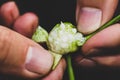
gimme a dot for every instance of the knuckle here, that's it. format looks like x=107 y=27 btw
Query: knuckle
x=5 y=43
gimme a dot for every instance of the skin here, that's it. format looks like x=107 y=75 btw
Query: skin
x=105 y=42
x=9 y=43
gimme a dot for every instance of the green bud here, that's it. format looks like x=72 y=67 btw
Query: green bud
x=40 y=35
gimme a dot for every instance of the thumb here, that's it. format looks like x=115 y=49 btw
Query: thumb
x=21 y=56
x=90 y=15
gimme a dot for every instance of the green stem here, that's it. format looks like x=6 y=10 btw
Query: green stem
x=70 y=69
x=114 y=20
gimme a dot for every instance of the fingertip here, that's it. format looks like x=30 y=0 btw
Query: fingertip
x=91 y=15
x=90 y=20
x=64 y=63
x=58 y=73
x=38 y=61
x=9 y=13
x=26 y=24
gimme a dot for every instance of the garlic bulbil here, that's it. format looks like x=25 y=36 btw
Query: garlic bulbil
x=64 y=38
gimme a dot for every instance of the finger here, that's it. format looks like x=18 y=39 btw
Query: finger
x=21 y=56
x=106 y=41
x=83 y=61
x=8 y=13
x=102 y=49
x=105 y=61
x=26 y=24
x=57 y=74
x=109 y=61
x=90 y=15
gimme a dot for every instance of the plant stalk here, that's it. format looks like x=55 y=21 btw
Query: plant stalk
x=70 y=69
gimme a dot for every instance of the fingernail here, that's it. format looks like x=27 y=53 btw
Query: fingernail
x=38 y=60
x=87 y=63
x=89 y=19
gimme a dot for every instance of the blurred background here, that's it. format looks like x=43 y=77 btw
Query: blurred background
x=51 y=12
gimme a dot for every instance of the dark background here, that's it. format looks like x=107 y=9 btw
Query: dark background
x=51 y=12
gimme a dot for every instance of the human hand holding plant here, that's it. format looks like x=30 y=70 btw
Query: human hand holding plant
x=16 y=50
x=90 y=12
x=21 y=29
x=64 y=39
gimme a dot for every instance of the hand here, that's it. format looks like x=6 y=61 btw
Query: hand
x=103 y=48
x=20 y=56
